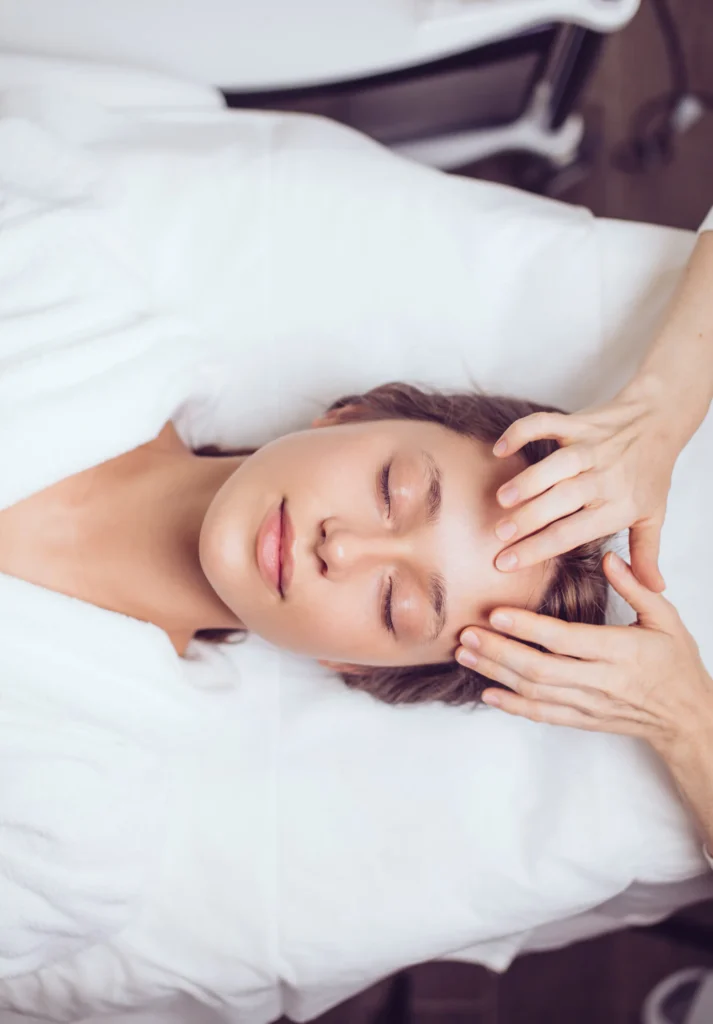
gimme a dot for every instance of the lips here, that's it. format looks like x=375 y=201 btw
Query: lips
x=267 y=549
x=273 y=549
x=287 y=550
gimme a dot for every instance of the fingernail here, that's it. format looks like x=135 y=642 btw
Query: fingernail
x=507 y=495
x=618 y=563
x=505 y=530
x=469 y=638
x=467 y=659
x=500 y=621
x=500 y=448
x=506 y=561
x=489 y=697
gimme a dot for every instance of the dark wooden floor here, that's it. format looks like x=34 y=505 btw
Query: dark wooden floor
x=603 y=981
x=631 y=70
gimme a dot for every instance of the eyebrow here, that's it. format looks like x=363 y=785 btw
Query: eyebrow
x=436 y=583
x=437 y=596
x=433 y=498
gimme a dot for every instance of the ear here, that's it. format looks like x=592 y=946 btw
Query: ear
x=333 y=417
x=340 y=667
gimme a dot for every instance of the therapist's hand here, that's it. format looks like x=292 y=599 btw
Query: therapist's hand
x=645 y=680
x=612 y=471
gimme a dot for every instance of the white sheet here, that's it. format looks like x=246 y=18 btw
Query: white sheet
x=242 y=270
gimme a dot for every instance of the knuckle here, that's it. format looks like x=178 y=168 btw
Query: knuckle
x=497 y=657
x=578 y=492
x=528 y=427
x=540 y=673
x=585 y=457
x=597 y=493
x=548 y=632
x=538 y=693
x=536 y=712
x=541 y=421
x=572 y=460
x=558 y=534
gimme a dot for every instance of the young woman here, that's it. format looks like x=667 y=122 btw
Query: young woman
x=368 y=541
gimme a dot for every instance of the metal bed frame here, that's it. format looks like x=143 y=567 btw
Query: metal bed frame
x=545 y=125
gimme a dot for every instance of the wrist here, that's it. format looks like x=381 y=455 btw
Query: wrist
x=656 y=398
x=691 y=745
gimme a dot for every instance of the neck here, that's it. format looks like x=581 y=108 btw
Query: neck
x=143 y=549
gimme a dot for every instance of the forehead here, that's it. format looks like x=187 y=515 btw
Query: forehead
x=475 y=586
x=466 y=544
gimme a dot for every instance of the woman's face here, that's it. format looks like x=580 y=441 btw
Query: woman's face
x=387 y=542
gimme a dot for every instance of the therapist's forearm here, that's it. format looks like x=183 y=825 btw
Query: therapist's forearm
x=677 y=373
x=692 y=770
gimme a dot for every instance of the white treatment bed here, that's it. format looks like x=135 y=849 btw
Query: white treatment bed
x=236 y=272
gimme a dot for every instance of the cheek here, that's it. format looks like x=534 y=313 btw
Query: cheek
x=224 y=553
x=332 y=623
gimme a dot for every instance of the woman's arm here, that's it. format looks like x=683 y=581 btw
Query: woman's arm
x=692 y=770
x=677 y=373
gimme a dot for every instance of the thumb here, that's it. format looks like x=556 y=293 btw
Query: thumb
x=644 y=545
x=651 y=608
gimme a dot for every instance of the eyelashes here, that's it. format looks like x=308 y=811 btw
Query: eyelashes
x=386 y=495
x=384 y=486
x=388 y=621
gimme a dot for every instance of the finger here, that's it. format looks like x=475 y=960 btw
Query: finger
x=556 y=539
x=588 y=700
x=652 y=609
x=573 y=639
x=549 y=714
x=562 y=500
x=512 y=656
x=493 y=670
x=644 y=546
x=560 y=465
x=557 y=426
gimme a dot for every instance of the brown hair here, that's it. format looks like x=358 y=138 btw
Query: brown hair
x=577 y=589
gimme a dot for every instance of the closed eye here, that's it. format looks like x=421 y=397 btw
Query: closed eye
x=384 y=486
x=386 y=612
x=385 y=490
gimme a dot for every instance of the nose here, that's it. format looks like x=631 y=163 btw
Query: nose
x=344 y=550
